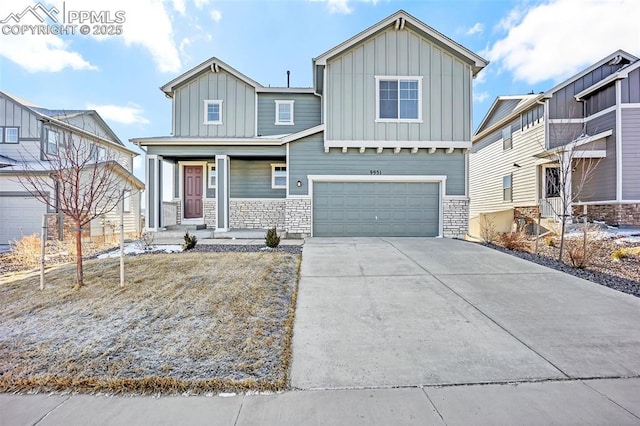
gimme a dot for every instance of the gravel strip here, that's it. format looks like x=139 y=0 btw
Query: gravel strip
x=624 y=285
x=244 y=248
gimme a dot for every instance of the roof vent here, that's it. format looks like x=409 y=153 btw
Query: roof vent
x=616 y=60
x=400 y=23
x=215 y=67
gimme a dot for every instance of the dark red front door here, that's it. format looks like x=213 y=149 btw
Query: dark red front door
x=192 y=192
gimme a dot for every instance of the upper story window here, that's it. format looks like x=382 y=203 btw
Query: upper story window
x=278 y=176
x=99 y=153
x=506 y=138
x=52 y=142
x=211 y=176
x=9 y=135
x=284 y=113
x=213 y=112
x=507 y=188
x=398 y=98
x=126 y=201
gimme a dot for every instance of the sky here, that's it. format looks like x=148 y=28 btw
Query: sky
x=532 y=45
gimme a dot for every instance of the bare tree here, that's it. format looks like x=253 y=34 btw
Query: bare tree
x=575 y=169
x=82 y=177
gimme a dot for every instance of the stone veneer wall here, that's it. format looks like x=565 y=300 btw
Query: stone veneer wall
x=455 y=218
x=298 y=216
x=612 y=214
x=258 y=213
x=178 y=211
x=210 y=212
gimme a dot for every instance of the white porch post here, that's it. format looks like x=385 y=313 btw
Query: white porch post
x=222 y=192
x=153 y=193
x=566 y=189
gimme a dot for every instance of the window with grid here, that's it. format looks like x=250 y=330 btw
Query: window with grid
x=399 y=98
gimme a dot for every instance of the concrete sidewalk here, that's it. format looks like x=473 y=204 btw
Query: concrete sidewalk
x=589 y=402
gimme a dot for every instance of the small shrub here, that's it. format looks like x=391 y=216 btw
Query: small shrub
x=619 y=254
x=550 y=241
x=515 y=241
x=488 y=231
x=146 y=241
x=26 y=251
x=190 y=242
x=272 y=239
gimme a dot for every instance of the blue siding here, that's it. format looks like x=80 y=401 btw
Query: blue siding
x=307 y=157
x=306 y=112
x=252 y=179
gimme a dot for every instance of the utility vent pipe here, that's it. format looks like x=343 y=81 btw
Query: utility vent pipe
x=288 y=74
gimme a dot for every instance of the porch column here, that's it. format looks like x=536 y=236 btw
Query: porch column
x=222 y=192
x=566 y=189
x=153 y=192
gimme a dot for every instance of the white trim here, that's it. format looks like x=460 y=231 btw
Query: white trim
x=255 y=118
x=181 y=164
x=596 y=153
x=287 y=163
x=257 y=199
x=618 y=140
x=630 y=105
x=585 y=119
x=602 y=83
x=278 y=122
x=396 y=144
x=273 y=176
x=440 y=179
x=293 y=90
x=455 y=198
x=208 y=102
x=398 y=78
x=612 y=202
x=303 y=133
x=298 y=197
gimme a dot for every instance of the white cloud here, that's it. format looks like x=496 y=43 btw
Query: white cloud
x=342 y=6
x=216 y=15
x=480 y=96
x=555 y=40
x=36 y=52
x=129 y=114
x=180 y=6
x=478 y=28
x=200 y=3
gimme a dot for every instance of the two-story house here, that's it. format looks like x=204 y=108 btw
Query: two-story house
x=377 y=147
x=581 y=137
x=29 y=135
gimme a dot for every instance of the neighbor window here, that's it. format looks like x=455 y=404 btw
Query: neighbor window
x=53 y=140
x=284 y=113
x=126 y=201
x=99 y=153
x=506 y=138
x=211 y=176
x=10 y=135
x=507 y=188
x=399 y=98
x=212 y=112
x=278 y=176
x=552 y=182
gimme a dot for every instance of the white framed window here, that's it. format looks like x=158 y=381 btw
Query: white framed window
x=398 y=98
x=52 y=142
x=126 y=201
x=507 y=140
x=10 y=135
x=278 y=175
x=99 y=153
x=507 y=188
x=284 y=113
x=212 y=112
x=212 y=176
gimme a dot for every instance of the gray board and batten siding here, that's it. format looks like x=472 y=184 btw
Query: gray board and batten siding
x=15 y=115
x=502 y=109
x=351 y=91
x=630 y=90
x=382 y=209
x=306 y=112
x=631 y=153
x=307 y=157
x=252 y=179
x=238 y=106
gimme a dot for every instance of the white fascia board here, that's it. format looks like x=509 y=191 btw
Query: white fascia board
x=303 y=133
x=602 y=83
x=289 y=90
x=377 y=178
x=205 y=141
x=396 y=144
x=516 y=112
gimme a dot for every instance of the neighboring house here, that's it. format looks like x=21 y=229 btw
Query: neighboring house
x=377 y=147
x=27 y=134
x=592 y=119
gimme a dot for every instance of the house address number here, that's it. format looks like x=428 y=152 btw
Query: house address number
x=375 y=172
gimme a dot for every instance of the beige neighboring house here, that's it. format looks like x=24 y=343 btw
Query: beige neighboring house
x=27 y=134
x=514 y=162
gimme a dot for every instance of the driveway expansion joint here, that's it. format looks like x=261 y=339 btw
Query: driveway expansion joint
x=609 y=399
x=52 y=410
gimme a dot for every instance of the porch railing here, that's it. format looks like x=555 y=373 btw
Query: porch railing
x=169 y=213
x=551 y=208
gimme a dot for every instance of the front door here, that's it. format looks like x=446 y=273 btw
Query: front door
x=192 y=192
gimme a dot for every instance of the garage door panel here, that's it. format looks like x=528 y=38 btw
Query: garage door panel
x=376 y=209
x=21 y=215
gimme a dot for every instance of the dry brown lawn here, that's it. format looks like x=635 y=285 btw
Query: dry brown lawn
x=184 y=323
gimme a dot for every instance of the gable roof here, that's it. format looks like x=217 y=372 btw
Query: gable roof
x=58 y=117
x=503 y=107
x=212 y=63
x=399 y=19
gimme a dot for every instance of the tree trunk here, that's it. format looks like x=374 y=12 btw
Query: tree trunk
x=564 y=221
x=79 y=281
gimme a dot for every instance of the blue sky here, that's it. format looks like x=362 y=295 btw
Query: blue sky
x=531 y=45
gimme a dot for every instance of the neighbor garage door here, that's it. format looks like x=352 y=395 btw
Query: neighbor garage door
x=368 y=209
x=19 y=215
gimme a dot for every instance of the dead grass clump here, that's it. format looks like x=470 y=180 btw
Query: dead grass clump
x=515 y=241
x=26 y=251
x=188 y=322
x=488 y=231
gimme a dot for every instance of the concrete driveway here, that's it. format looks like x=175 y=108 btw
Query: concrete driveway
x=395 y=312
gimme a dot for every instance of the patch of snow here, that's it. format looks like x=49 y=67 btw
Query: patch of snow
x=133 y=248
x=226 y=394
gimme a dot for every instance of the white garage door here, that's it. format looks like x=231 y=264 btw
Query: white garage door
x=19 y=216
